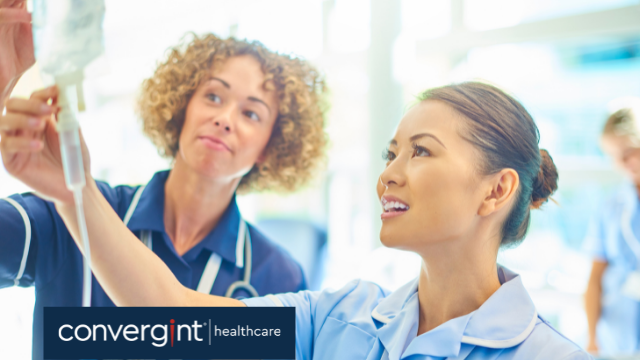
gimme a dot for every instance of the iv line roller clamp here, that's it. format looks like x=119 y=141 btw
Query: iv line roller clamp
x=68 y=36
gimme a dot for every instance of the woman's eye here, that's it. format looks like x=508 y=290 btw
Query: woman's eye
x=215 y=98
x=253 y=116
x=388 y=155
x=420 y=151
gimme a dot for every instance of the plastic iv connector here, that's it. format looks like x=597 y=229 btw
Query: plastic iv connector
x=68 y=37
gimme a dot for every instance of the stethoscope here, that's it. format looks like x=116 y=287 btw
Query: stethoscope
x=243 y=256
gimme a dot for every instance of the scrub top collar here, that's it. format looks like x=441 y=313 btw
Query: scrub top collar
x=149 y=215
x=503 y=321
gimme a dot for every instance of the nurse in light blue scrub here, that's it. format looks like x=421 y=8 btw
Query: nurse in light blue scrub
x=463 y=171
x=613 y=293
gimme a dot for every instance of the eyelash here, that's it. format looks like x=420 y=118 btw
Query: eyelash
x=211 y=95
x=389 y=155
x=417 y=148
x=248 y=114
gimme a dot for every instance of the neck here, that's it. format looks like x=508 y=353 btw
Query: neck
x=455 y=282
x=193 y=205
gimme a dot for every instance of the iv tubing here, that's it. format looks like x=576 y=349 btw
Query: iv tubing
x=71 y=153
x=84 y=235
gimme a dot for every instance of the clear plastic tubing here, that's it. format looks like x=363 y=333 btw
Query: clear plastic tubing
x=72 y=163
x=68 y=36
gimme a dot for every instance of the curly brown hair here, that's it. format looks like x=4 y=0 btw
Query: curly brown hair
x=298 y=141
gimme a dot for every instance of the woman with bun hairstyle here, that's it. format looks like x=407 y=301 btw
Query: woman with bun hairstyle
x=612 y=298
x=463 y=173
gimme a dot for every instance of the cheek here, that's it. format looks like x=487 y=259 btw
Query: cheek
x=252 y=140
x=183 y=139
x=189 y=125
x=634 y=162
x=444 y=198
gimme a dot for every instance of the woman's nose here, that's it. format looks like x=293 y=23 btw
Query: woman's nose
x=224 y=120
x=392 y=175
x=224 y=124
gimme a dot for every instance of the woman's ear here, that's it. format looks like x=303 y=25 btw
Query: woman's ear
x=502 y=188
x=262 y=158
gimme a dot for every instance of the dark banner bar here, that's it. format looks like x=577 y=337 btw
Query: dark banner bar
x=169 y=333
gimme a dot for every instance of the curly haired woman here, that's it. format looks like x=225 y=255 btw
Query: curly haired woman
x=233 y=117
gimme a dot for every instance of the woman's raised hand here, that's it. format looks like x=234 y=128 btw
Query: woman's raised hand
x=16 y=44
x=30 y=148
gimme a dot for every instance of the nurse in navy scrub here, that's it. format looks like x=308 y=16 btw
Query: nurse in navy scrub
x=233 y=117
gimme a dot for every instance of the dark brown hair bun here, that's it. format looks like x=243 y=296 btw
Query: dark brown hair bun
x=547 y=181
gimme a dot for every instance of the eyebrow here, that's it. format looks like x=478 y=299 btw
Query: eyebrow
x=419 y=136
x=254 y=99
x=250 y=98
x=226 y=84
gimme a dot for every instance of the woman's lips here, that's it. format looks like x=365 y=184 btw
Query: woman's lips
x=391 y=214
x=214 y=143
x=392 y=207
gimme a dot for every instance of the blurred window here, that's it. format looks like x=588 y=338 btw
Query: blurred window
x=492 y=14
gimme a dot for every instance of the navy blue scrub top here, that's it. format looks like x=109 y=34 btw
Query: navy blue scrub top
x=54 y=263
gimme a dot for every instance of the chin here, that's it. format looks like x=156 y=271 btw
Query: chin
x=393 y=240
x=207 y=168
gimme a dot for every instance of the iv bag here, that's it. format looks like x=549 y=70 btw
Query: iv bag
x=67 y=34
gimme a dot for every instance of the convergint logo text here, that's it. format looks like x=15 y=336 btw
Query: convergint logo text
x=158 y=335
x=169 y=333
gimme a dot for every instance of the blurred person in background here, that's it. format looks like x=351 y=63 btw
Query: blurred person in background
x=463 y=173
x=233 y=117
x=612 y=298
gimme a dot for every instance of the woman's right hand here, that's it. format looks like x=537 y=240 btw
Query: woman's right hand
x=30 y=147
x=16 y=44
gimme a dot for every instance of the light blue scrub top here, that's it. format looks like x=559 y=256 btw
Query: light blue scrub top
x=364 y=321
x=618 y=330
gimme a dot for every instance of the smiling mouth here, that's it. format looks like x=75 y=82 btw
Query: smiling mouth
x=393 y=208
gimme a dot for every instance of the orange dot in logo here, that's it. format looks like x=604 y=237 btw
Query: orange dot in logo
x=172 y=321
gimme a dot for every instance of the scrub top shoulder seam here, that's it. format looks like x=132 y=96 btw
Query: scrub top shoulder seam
x=27 y=242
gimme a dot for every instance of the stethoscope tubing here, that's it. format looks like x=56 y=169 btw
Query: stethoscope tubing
x=244 y=284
